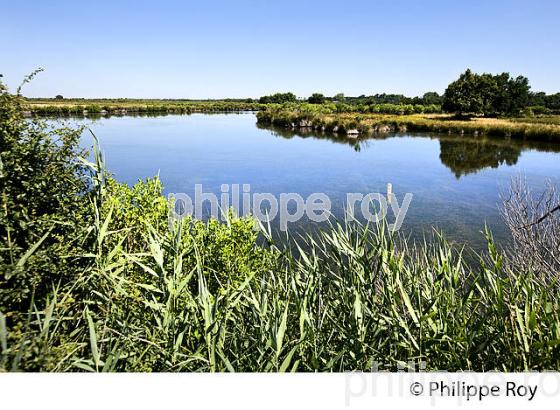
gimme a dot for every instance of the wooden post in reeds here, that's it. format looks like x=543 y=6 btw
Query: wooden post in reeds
x=389 y=191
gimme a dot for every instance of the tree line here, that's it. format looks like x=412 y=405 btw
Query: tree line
x=429 y=98
x=470 y=95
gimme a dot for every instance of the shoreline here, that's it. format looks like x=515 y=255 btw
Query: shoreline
x=363 y=125
x=320 y=118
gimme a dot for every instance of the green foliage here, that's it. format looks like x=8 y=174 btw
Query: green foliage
x=536 y=110
x=133 y=207
x=42 y=186
x=316 y=98
x=552 y=102
x=339 y=98
x=278 y=98
x=432 y=98
x=486 y=94
x=78 y=107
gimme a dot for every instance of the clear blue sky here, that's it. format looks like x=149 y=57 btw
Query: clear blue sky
x=212 y=49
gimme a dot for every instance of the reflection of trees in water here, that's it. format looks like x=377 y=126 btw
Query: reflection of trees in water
x=462 y=154
x=286 y=133
x=466 y=157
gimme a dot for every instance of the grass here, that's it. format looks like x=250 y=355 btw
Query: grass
x=545 y=119
x=544 y=128
x=131 y=106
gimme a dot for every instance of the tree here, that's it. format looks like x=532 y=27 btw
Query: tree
x=486 y=94
x=553 y=101
x=339 y=97
x=278 y=98
x=537 y=99
x=431 y=97
x=463 y=95
x=512 y=94
x=316 y=98
x=59 y=97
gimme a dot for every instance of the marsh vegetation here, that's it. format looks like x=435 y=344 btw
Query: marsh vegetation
x=94 y=278
x=331 y=120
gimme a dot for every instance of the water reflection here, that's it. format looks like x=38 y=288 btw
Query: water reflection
x=463 y=155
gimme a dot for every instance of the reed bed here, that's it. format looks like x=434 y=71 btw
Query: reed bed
x=366 y=124
x=110 y=107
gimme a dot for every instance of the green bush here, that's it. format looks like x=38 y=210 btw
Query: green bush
x=42 y=193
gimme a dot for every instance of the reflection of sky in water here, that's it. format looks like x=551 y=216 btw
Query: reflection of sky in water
x=229 y=149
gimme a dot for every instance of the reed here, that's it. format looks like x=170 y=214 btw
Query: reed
x=122 y=107
x=366 y=124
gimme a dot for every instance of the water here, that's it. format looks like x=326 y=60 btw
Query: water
x=455 y=180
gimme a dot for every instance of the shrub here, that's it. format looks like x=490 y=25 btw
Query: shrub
x=42 y=194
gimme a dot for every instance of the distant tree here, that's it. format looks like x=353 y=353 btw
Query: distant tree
x=553 y=101
x=432 y=97
x=537 y=99
x=486 y=94
x=388 y=99
x=59 y=97
x=339 y=97
x=316 y=98
x=278 y=98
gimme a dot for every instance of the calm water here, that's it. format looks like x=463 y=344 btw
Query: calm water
x=455 y=180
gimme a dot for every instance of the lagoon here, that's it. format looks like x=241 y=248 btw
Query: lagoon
x=455 y=180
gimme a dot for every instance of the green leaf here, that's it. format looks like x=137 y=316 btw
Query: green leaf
x=93 y=340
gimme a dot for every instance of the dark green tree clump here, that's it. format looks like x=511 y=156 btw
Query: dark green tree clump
x=487 y=94
x=540 y=103
x=316 y=98
x=429 y=98
x=278 y=98
x=432 y=98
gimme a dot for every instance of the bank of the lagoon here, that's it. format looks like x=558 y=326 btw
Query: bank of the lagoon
x=103 y=107
x=352 y=124
x=351 y=120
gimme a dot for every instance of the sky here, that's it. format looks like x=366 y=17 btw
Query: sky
x=215 y=49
